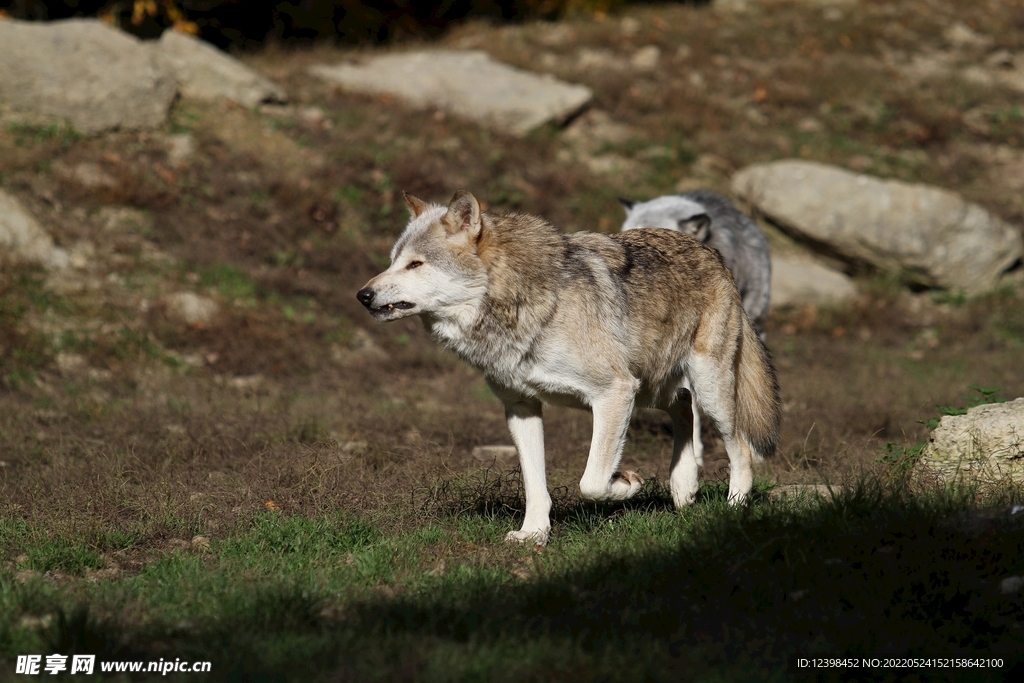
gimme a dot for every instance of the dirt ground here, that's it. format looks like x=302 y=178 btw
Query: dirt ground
x=118 y=415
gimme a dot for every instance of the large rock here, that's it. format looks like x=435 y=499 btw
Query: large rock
x=466 y=83
x=801 y=281
x=23 y=240
x=926 y=234
x=205 y=73
x=82 y=72
x=986 y=444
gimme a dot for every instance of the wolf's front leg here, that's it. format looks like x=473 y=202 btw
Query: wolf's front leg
x=525 y=423
x=602 y=480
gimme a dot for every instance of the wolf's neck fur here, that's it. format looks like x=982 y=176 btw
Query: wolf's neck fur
x=521 y=254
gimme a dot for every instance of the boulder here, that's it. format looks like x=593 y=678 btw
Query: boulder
x=801 y=281
x=466 y=83
x=205 y=73
x=82 y=72
x=23 y=240
x=986 y=444
x=925 y=234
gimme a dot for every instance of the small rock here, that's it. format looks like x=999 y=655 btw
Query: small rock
x=490 y=454
x=23 y=240
x=1011 y=584
x=247 y=383
x=598 y=59
x=180 y=149
x=809 y=124
x=354 y=447
x=646 y=58
x=192 y=308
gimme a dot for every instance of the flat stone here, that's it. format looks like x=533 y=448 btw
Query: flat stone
x=502 y=454
x=82 y=72
x=925 y=234
x=466 y=83
x=23 y=239
x=800 y=281
x=205 y=73
x=986 y=444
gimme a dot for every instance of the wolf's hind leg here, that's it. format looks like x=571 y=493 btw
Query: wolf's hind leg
x=714 y=389
x=527 y=427
x=601 y=479
x=698 y=445
x=684 y=467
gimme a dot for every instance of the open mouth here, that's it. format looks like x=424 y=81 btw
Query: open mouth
x=398 y=305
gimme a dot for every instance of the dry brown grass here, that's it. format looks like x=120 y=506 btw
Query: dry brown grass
x=125 y=418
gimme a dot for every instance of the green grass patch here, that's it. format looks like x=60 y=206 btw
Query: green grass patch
x=633 y=591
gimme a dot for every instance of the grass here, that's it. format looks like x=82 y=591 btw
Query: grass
x=628 y=592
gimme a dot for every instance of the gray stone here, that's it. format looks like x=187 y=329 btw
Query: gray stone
x=82 y=72
x=985 y=445
x=925 y=234
x=205 y=73
x=467 y=83
x=801 y=281
x=23 y=240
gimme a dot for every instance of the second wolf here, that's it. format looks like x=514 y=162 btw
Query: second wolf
x=714 y=220
x=592 y=321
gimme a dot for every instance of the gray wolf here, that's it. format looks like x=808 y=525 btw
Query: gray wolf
x=711 y=218
x=593 y=321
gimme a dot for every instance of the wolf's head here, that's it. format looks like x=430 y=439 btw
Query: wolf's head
x=435 y=268
x=671 y=212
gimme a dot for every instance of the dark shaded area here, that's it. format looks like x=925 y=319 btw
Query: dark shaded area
x=248 y=25
x=871 y=574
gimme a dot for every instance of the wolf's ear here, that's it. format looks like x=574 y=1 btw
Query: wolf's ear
x=463 y=215
x=699 y=226
x=416 y=206
x=627 y=204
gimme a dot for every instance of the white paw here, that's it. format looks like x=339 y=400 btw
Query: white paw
x=737 y=498
x=684 y=498
x=624 y=485
x=539 y=536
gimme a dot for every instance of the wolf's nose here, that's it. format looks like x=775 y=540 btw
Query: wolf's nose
x=365 y=296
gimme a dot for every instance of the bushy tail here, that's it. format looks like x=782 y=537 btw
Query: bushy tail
x=758 y=405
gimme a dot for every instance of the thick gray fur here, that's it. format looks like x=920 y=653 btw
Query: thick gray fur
x=736 y=237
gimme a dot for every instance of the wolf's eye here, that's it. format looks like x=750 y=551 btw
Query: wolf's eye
x=414 y=264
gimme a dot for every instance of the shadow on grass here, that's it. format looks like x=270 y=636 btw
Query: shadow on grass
x=871 y=573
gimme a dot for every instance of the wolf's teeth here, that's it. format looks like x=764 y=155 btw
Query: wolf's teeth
x=391 y=306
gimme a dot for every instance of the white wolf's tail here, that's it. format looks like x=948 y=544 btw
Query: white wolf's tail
x=758 y=405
